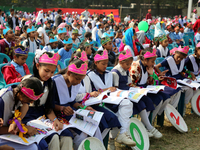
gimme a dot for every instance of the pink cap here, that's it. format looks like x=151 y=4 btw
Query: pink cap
x=83 y=56
x=183 y=50
x=2 y=27
x=30 y=93
x=62 y=25
x=17 y=28
x=49 y=60
x=125 y=56
x=28 y=22
x=99 y=57
x=198 y=45
x=82 y=70
x=173 y=50
x=149 y=55
x=194 y=10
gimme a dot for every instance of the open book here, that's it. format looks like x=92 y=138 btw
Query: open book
x=154 y=89
x=134 y=94
x=192 y=84
x=198 y=78
x=103 y=98
x=44 y=127
x=86 y=120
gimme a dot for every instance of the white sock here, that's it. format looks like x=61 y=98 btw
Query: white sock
x=145 y=119
x=157 y=108
x=148 y=113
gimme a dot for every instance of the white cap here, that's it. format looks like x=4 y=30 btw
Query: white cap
x=72 y=12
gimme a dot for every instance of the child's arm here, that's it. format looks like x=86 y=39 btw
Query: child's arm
x=57 y=124
x=157 y=67
x=8 y=76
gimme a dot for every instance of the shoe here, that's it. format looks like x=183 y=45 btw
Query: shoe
x=156 y=133
x=111 y=144
x=125 y=139
x=149 y=134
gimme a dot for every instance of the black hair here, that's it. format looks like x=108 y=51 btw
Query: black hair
x=75 y=61
x=59 y=10
x=32 y=83
x=19 y=46
x=148 y=49
x=89 y=24
x=185 y=55
x=77 y=54
x=124 y=53
x=93 y=66
x=87 y=34
x=54 y=27
x=49 y=102
x=11 y=9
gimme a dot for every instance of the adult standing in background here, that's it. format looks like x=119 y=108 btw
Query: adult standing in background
x=85 y=15
x=194 y=17
x=58 y=19
x=1 y=19
x=148 y=15
x=12 y=19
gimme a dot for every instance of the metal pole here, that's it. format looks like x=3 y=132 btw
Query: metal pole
x=189 y=9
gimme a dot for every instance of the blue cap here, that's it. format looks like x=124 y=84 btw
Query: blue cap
x=111 y=34
x=6 y=30
x=30 y=30
x=69 y=41
x=21 y=51
x=55 y=39
x=104 y=35
x=61 y=30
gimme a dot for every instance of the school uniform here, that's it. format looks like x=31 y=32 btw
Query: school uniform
x=32 y=45
x=124 y=110
x=65 y=96
x=12 y=72
x=64 y=54
x=162 y=52
x=192 y=64
x=121 y=79
x=109 y=119
x=174 y=70
x=7 y=106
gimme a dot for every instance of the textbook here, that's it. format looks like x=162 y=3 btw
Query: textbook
x=86 y=120
x=154 y=89
x=134 y=94
x=103 y=98
x=192 y=84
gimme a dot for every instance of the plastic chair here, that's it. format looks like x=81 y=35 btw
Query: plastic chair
x=159 y=60
x=152 y=31
x=66 y=62
x=187 y=41
x=170 y=46
x=4 y=56
x=61 y=66
x=109 y=68
x=190 y=34
x=29 y=61
x=74 y=46
x=96 y=44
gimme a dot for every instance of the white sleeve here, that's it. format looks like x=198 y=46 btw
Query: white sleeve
x=115 y=79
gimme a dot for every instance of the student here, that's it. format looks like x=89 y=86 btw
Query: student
x=175 y=66
x=177 y=38
x=75 y=38
x=31 y=42
x=66 y=86
x=17 y=68
x=61 y=36
x=103 y=80
x=11 y=98
x=17 y=31
x=122 y=80
x=192 y=62
x=66 y=51
x=43 y=69
x=52 y=45
x=109 y=120
x=7 y=44
x=107 y=44
x=162 y=49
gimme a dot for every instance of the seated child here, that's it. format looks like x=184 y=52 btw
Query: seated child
x=17 y=68
x=53 y=44
x=162 y=50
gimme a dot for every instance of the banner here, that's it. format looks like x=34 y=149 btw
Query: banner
x=79 y=11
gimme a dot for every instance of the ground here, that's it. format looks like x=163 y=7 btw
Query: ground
x=174 y=140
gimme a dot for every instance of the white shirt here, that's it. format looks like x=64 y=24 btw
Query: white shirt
x=126 y=19
x=86 y=14
x=87 y=29
x=1 y=20
x=194 y=18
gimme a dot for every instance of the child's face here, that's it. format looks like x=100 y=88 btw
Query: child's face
x=45 y=71
x=48 y=25
x=108 y=46
x=88 y=50
x=10 y=34
x=32 y=34
x=75 y=79
x=135 y=36
x=62 y=36
x=17 y=32
x=165 y=43
x=1 y=31
x=74 y=36
x=126 y=64
x=101 y=65
x=178 y=57
x=68 y=46
x=150 y=62
x=23 y=98
x=54 y=45
x=20 y=60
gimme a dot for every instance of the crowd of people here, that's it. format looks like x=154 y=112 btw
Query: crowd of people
x=91 y=43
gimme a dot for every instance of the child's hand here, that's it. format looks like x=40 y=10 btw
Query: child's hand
x=193 y=76
x=112 y=89
x=13 y=129
x=90 y=108
x=1 y=122
x=6 y=147
x=163 y=73
x=68 y=111
x=150 y=70
x=57 y=125
x=31 y=131
x=94 y=94
x=161 y=78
